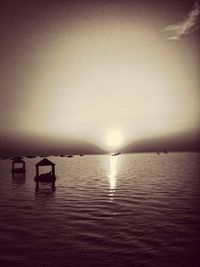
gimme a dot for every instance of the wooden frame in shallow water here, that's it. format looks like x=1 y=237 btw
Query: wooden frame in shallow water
x=49 y=177
x=18 y=170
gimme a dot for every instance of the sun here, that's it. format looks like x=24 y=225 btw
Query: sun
x=114 y=138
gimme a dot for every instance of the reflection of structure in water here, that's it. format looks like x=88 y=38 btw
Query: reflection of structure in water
x=18 y=178
x=48 y=177
x=45 y=194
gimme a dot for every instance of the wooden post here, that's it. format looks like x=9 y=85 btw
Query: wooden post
x=37 y=171
x=53 y=185
x=13 y=166
x=53 y=170
x=37 y=186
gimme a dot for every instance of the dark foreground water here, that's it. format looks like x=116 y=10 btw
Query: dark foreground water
x=129 y=210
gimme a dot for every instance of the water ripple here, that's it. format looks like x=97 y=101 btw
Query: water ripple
x=144 y=213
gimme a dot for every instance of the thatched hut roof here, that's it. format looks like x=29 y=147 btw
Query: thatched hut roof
x=18 y=160
x=45 y=162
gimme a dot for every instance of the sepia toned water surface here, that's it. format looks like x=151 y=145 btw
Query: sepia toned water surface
x=126 y=210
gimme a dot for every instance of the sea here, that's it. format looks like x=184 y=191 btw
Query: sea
x=139 y=209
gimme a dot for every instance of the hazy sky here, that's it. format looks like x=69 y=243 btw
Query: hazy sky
x=94 y=70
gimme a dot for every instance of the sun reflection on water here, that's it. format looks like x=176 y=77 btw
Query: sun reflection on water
x=112 y=176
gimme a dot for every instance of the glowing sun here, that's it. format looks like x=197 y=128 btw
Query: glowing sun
x=114 y=138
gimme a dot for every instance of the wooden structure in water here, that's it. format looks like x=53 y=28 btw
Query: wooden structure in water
x=49 y=177
x=18 y=169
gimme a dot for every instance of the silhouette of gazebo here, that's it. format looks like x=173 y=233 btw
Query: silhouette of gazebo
x=48 y=177
x=45 y=162
x=18 y=161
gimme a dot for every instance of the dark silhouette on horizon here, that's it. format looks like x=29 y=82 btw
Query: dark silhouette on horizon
x=181 y=141
x=33 y=146
x=18 y=178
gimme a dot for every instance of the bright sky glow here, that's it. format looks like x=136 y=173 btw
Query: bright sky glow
x=95 y=77
x=114 y=138
x=127 y=77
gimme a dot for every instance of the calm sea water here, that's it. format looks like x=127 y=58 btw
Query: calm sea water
x=129 y=210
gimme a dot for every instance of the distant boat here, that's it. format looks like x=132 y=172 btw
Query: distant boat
x=62 y=156
x=81 y=155
x=116 y=154
x=70 y=156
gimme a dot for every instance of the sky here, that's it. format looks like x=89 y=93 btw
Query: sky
x=105 y=72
